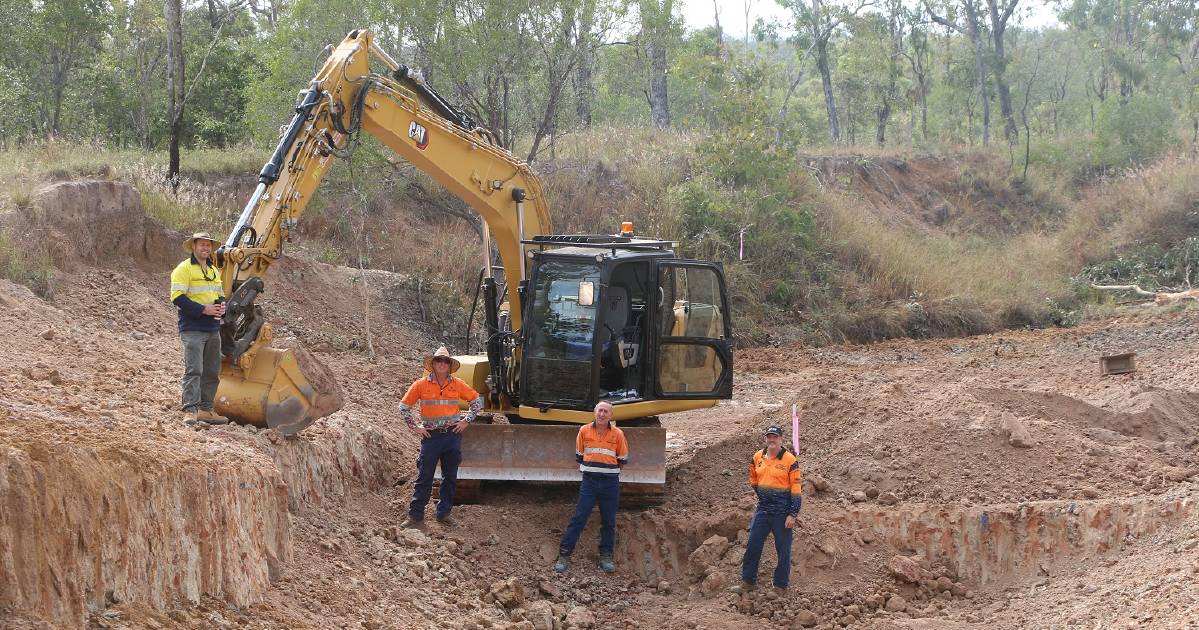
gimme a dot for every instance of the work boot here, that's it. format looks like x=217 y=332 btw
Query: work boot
x=448 y=520
x=606 y=564
x=208 y=416
x=189 y=417
x=413 y=523
x=562 y=563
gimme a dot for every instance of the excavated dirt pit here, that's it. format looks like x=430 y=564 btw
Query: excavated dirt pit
x=985 y=482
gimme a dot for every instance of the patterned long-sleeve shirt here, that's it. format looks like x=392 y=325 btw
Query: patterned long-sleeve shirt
x=432 y=405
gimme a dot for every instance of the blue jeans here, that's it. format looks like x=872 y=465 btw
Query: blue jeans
x=762 y=525
x=444 y=447
x=604 y=489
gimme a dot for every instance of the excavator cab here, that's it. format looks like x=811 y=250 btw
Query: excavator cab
x=622 y=320
x=607 y=318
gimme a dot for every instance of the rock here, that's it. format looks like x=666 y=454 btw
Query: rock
x=549 y=551
x=896 y=604
x=871 y=492
x=579 y=617
x=943 y=584
x=48 y=334
x=663 y=587
x=714 y=583
x=905 y=569
x=541 y=614
x=819 y=483
x=139 y=335
x=508 y=593
x=706 y=555
x=549 y=590
x=858 y=496
x=1090 y=493
x=1179 y=474
x=806 y=618
x=412 y=538
x=1016 y=433
x=887 y=498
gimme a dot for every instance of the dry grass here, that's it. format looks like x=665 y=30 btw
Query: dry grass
x=1156 y=204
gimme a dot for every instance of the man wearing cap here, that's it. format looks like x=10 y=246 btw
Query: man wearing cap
x=430 y=409
x=197 y=292
x=775 y=477
x=601 y=450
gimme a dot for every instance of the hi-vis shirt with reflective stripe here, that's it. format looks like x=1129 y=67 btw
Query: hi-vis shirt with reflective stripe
x=601 y=451
x=777 y=481
x=192 y=288
x=438 y=403
x=200 y=285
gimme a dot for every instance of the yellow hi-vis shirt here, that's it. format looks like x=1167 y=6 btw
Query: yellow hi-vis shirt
x=192 y=288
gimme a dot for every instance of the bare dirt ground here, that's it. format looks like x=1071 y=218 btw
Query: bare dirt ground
x=994 y=482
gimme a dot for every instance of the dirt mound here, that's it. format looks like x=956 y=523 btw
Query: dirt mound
x=92 y=223
x=1164 y=416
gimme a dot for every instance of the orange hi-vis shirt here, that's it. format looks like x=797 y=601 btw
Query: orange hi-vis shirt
x=601 y=451
x=777 y=482
x=438 y=403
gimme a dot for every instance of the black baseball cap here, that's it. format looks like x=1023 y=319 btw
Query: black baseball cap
x=773 y=430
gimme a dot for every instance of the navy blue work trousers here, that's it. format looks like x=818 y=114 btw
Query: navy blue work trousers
x=602 y=488
x=440 y=447
x=762 y=525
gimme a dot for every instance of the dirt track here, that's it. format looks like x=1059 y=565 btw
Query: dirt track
x=983 y=482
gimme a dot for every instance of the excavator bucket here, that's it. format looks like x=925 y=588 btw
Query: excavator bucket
x=525 y=452
x=273 y=393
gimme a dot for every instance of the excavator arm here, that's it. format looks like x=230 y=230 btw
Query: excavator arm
x=265 y=386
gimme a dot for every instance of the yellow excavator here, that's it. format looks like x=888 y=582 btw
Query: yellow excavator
x=570 y=320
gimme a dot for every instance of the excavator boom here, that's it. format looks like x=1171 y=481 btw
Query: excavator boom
x=267 y=386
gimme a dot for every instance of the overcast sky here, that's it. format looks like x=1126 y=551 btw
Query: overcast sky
x=698 y=14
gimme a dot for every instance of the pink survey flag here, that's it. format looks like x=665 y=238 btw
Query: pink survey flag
x=795 y=427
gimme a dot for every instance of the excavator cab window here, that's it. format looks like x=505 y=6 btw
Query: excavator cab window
x=623 y=319
x=560 y=333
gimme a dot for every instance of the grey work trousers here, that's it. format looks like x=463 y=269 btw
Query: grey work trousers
x=201 y=368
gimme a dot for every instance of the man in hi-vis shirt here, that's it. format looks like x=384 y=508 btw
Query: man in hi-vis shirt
x=601 y=450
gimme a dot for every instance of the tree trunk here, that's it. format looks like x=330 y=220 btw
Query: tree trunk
x=923 y=112
x=659 y=106
x=999 y=65
x=826 y=81
x=585 y=71
x=655 y=33
x=884 y=114
x=980 y=66
x=173 y=11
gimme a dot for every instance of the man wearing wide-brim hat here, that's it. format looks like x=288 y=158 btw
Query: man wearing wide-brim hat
x=430 y=409
x=197 y=292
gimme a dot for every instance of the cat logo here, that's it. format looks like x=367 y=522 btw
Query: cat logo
x=417 y=132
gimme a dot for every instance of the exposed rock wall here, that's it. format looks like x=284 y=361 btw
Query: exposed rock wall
x=985 y=543
x=85 y=526
x=81 y=527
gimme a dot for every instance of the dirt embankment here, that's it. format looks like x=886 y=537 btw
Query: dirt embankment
x=108 y=498
x=938 y=194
